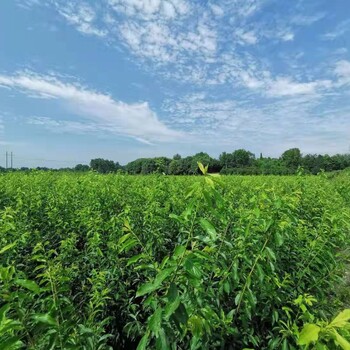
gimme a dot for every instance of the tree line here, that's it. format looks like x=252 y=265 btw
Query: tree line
x=239 y=162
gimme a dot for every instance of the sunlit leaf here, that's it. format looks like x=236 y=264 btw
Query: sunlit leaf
x=309 y=334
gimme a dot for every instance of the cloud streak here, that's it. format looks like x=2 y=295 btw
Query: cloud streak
x=134 y=120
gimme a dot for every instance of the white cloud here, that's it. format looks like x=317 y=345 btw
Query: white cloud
x=306 y=20
x=217 y=10
x=148 y=9
x=342 y=70
x=27 y=4
x=267 y=126
x=156 y=41
x=287 y=36
x=135 y=120
x=246 y=37
x=82 y=16
x=341 y=29
x=250 y=81
x=284 y=86
x=247 y=8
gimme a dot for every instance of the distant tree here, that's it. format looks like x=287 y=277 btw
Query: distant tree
x=149 y=166
x=104 y=166
x=271 y=166
x=292 y=158
x=81 y=167
x=243 y=158
x=214 y=166
x=175 y=167
x=313 y=163
x=162 y=164
x=226 y=160
x=240 y=158
x=177 y=156
x=43 y=168
x=201 y=157
x=135 y=166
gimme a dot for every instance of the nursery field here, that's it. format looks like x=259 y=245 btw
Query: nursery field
x=92 y=261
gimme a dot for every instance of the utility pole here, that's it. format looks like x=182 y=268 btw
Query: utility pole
x=6 y=159
x=11 y=160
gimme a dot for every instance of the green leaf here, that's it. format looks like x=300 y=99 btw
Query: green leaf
x=85 y=331
x=145 y=289
x=30 y=285
x=285 y=345
x=181 y=314
x=7 y=247
x=164 y=262
x=162 y=342
x=129 y=244
x=195 y=323
x=309 y=334
x=341 y=320
x=172 y=292
x=162 y=275
x=171 y=307
x=45 y=319
x=209 y=228
x=271 y=253
x=238 y=298
x=11 y=344
x=227 y=287
x=179 y=250
x=152 y=286
x=124 y=238
x=260 y=271
x=135 y=259
x=3 y=311
x=344 y=344
x=143 y=342
x=174 y=216
x=202 y=168
x=192 y=267
x=155 y=321
x=278 y=239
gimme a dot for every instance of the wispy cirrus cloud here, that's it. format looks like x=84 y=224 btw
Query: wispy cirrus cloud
x=340 y=29
x=148 y=10
x=248 y=67
x=133 y=120
x=259 y=126
x=82 y=17
x=185 y=40
x=342 y=70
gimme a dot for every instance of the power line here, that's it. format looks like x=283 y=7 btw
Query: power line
x=9 y=155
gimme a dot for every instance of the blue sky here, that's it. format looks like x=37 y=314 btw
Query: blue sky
x=123 y=79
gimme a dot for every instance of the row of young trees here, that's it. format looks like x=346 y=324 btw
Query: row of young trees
x=238 y=162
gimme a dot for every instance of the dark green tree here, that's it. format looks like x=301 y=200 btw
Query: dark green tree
x=81 y=167
x=104 y=166
x=177 y=156
x=292 y=158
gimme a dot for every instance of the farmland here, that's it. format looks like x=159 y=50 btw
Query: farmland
x=91 y=261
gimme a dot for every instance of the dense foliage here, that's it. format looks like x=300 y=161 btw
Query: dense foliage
x=238 y=162
x=95 y=262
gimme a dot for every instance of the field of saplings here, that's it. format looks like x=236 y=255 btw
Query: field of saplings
x=91 y=261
